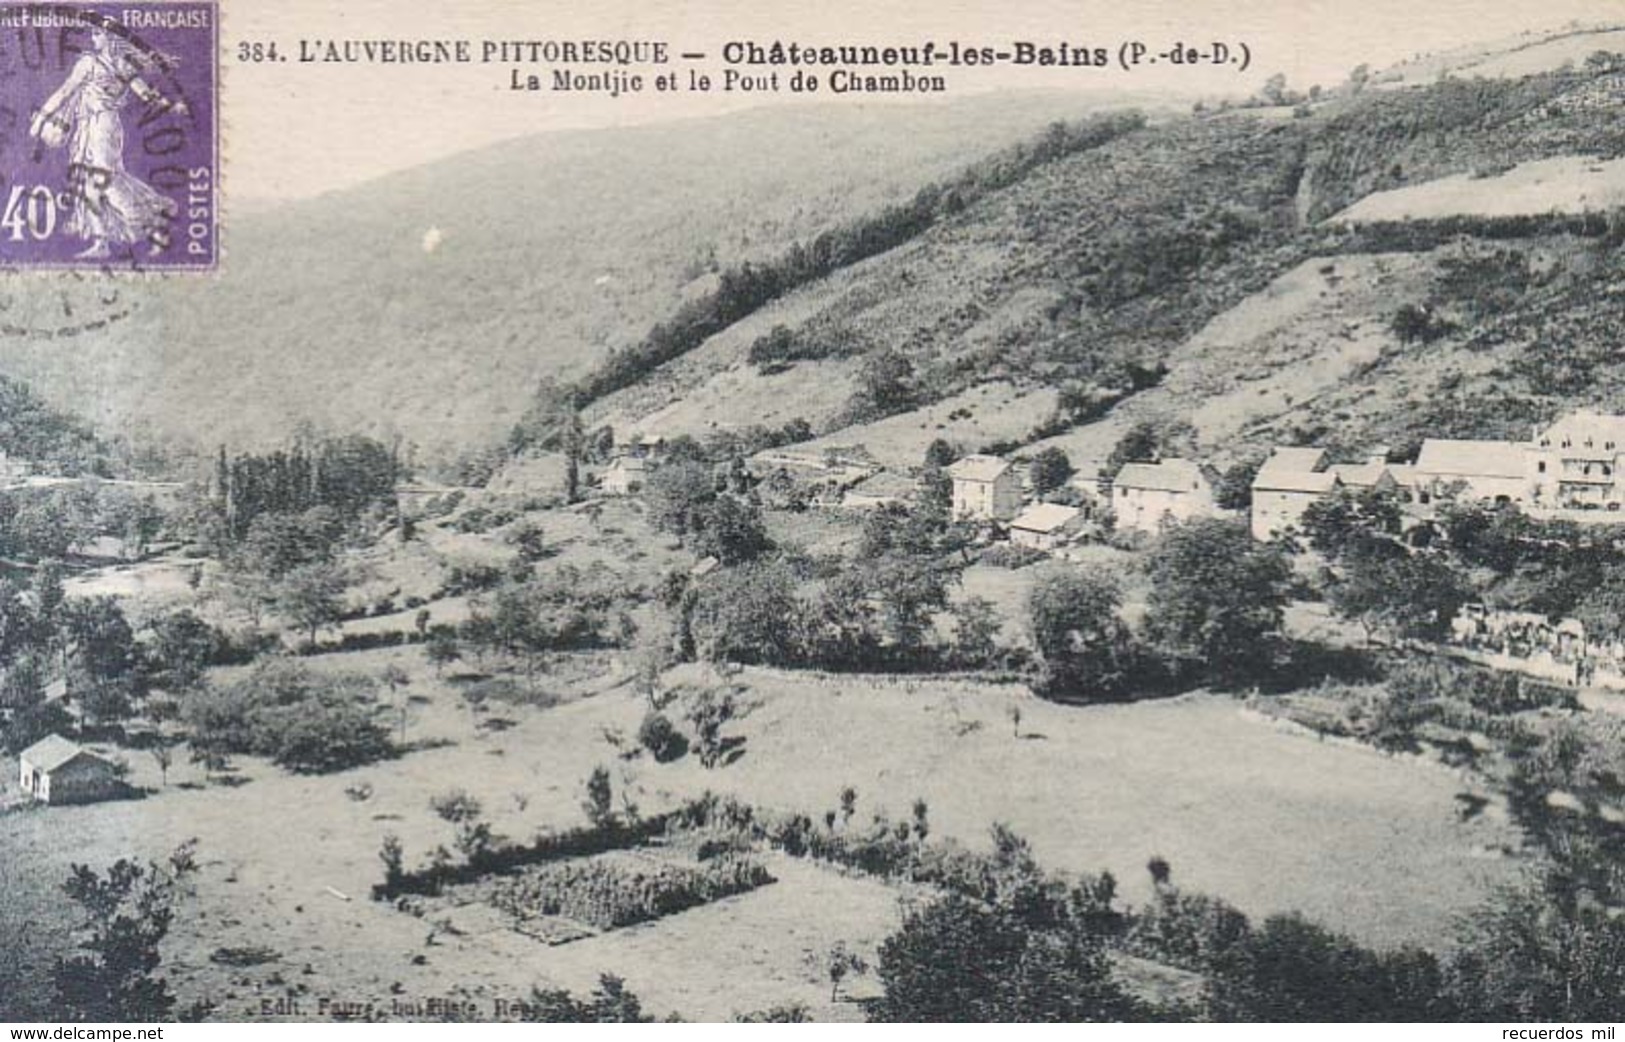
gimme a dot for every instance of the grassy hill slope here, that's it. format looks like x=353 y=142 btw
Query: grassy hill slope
x=1198 y=252
x=430 y=303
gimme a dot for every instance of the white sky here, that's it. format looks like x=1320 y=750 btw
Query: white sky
x=295 y=130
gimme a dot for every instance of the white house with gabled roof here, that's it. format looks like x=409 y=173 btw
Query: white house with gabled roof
x=986 y=488
x=1147 y=495
x=55 y=770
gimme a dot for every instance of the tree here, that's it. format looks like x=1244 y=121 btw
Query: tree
x=710 y=712
x=839 y=963
x=526 y=538
x=1353 y=524
x=34 y=722
x=125 y=917
x=183 y=646
x=1290 y=970
x=1051 y=470
x=474 y=836
x=1411 y=595
x=1234 y=490
x=731 y=530
x=330 y=732
x=1217 y=597
x=610 y=1003
x=163 y=754
x=1275 y=92
x=940 y=454
x=311 y=597
x=977 y=624
x=660 y=736
x=102 y=667
x=600 y=800
x=1085 y=645
x=441 y=648
x=22 y=686
x=397 y=680
x=1141 y=443
x=1533 y=954
x=573 y=442
x=744 y=615
x=886 y=382
x=677 y=494
x=960 y=960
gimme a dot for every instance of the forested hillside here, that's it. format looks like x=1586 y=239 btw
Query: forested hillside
x=1095 y=271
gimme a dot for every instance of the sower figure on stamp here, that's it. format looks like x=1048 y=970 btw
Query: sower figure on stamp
x=110 y=206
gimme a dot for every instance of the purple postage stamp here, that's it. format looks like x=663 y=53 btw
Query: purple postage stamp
x=109 y=136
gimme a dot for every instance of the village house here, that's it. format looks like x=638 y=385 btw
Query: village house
x=57 y=771
x=986 y=488
x=1494 y=471
x=1046 y=526
x=1286 y=485
x=1145 y=495
x=625 y=475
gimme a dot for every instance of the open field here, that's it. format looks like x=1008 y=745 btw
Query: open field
x=1269 y=819
x=1566 y=184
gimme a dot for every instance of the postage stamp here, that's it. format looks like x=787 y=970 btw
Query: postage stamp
x=109 y=136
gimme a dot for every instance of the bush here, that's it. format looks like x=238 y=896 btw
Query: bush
x=662 y=738
x=304 y=722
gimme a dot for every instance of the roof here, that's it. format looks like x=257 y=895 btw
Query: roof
x=1470 y=459
x=978 y=468
x=53 y=751
x=1404 y=474
x=1294 y=469
x=1359 y=475
x=1585 y=429
x=1045 y=517
x=1171 y=475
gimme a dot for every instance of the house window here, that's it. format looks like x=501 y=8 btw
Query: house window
x=1541 y=466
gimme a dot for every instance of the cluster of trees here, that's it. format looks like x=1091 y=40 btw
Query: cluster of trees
x=1213 y=614
x=86 y=642
x=875 y=611
x=1488 y=553
x=53 y=441
x=282 y=709
x=348 y=475
x=528 y=617
x=1373 y=577
x=52 y=523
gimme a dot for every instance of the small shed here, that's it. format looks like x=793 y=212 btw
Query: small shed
x=1045 y=526
x=55 y=770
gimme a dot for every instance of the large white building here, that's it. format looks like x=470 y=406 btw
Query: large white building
x=1575 y=463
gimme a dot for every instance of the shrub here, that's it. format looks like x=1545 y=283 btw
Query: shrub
x=303 y=721
x=662 y=738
